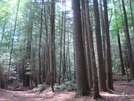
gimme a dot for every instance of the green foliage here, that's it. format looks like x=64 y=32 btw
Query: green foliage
x=40 y=87
x=28 y=73
x=69 y=85
x=78 y=95
x=4 y=10
x=116 y=66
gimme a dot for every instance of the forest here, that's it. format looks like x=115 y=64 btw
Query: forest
x=66 y=50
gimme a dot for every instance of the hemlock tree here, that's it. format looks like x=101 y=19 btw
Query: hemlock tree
x=108 y=61
x=102 y=75
x=52 y=45
x=81 y=77
x=91 y=64
x=119 y=41
x=129 y=49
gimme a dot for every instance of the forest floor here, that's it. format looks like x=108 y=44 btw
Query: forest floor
x=123 y=91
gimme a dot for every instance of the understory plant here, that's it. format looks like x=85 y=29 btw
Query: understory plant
x=68 y=85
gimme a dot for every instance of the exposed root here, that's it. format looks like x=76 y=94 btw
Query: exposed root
x=80 y=94
x=99 y=98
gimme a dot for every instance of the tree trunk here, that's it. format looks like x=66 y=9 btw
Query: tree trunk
x=39 y=53
x=102 y=72
x=130 y=56
x=81 y=77
x=52 y=45
x=89 y=43
x=107 y=48
x=121 y=58
x=96 y=94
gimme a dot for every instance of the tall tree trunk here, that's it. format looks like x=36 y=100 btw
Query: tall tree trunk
x=39 y=54
x=121 y=58
x=52 y=44
x=108 y=61
x=89 y=33
x=60 y=65
x=81 y=77
x=93 y=69
x=102 y=72
x=46 y=52
x=64 y=36
x=130 y=56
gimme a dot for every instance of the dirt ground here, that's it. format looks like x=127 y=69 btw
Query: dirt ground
x=123 y=92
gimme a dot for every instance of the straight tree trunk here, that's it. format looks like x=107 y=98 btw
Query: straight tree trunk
x=39 y=54
x=90 y=47
x=121 y=58
x=102 y=27
x=28 y=46
x=59 y=81
x=46 y=52
x=108 y=61
x=64 y=36
x=102 y=72
x=81 y=77
x=86 y=38
x=52 y=45
x=96 y=94
x=130 y=56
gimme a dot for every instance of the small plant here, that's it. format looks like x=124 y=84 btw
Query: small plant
x=69 y=85
x=116 y=66
x=39 y=88
x=121 y=98
x=124 y=93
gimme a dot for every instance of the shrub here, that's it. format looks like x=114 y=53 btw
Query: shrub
x=69 y=85
x=40 y=87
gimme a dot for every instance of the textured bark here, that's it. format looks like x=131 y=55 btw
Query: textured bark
x=108 y=61
x=90 y=44
x=102 y=75
x=130 y=56
x=121 y=58
x=102 y=26
x=64 y=42
x=85 y=18
x=39 y=54
x=96 y=94
x=81 y=77
x=46 y=46
x=59 y=81
x=52 y=45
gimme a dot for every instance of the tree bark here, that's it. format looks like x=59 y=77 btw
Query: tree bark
x=39 y=53
x=121 y=58
x=81 y=77
x=130 y=56
x=108 y=61
x=102 y=72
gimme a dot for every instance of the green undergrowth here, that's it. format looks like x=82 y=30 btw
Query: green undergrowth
x=40 y=87
x=69 y=85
